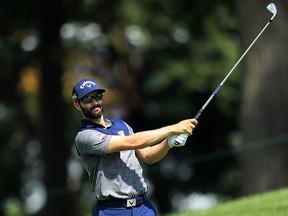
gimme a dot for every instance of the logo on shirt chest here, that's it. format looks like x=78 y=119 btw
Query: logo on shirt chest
x=121 y=133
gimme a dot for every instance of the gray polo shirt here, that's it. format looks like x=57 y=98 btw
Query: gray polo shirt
x=116 y=175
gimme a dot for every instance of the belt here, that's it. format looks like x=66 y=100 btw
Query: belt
x=131 y=202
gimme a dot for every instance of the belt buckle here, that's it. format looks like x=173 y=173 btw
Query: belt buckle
x=131 y=202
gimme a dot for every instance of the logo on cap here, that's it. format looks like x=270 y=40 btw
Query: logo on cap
x=87 y=84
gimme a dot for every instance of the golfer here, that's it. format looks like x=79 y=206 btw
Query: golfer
x=110 y=153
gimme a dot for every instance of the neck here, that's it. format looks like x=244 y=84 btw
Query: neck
x=99 y=120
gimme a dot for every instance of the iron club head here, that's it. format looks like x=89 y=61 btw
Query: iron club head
x=272 y=8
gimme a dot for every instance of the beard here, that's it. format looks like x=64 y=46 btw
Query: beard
x=88 y=113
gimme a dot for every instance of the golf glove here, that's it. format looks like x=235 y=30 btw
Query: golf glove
x=177 y=140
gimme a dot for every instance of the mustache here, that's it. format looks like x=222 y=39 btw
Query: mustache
x=96 y=106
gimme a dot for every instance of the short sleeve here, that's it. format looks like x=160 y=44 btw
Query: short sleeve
x=92 y=142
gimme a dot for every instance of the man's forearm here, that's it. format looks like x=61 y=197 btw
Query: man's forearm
x=153 y=154
x=144 y=139
x=150 y=138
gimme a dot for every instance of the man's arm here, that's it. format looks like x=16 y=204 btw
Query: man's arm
x=144 y=139
x=153 y=154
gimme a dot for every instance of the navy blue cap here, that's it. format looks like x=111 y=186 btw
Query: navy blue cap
x=84 y=87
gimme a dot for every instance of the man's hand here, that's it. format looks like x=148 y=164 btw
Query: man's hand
x=177 y=140
x=185 y=126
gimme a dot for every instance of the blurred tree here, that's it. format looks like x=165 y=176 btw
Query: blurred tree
x=263 y=107
x=55 y=147
x=13 y=117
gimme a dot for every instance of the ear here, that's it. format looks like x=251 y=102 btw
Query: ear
x=77 y=105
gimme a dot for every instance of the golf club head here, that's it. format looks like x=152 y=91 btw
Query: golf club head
x=272 y=8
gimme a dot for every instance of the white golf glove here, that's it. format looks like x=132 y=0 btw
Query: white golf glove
x=177 y=140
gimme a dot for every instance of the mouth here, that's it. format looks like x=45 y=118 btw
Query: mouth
x=96 y=108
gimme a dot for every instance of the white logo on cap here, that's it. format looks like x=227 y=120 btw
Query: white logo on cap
x=87 y=84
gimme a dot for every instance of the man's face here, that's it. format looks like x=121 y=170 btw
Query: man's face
x=93 y=109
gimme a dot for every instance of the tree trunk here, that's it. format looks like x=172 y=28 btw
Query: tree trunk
x=55 y=148
x=263 y=118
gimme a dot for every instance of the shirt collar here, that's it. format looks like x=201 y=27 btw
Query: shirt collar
x=89 y=124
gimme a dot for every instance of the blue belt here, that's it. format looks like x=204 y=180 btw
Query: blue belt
x=131 y=202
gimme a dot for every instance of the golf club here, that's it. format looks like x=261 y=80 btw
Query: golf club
x=272 y=8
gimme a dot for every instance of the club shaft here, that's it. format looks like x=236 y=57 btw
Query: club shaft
x=232 y=69
x=272 y=8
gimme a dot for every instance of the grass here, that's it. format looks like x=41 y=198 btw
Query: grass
x=274 y=203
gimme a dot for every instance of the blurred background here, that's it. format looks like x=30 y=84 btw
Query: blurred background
x=159 y=61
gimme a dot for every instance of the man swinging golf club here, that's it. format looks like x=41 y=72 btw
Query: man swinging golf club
x=109 y=152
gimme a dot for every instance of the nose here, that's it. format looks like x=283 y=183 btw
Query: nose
x=94 y=101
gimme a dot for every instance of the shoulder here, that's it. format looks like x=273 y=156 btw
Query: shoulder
x=91 y=141
x=89 y=135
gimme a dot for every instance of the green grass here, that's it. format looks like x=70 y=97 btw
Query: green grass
x=274 y=203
